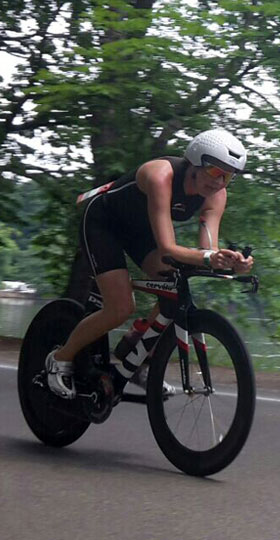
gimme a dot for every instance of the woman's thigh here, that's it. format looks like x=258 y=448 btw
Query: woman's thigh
x=100 y=242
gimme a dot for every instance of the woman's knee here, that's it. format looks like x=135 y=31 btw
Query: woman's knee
x=153 y=264
x=120 y=312
x=126 y=307
x=117 y=294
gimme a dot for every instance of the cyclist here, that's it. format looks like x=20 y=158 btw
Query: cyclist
x=134 y=215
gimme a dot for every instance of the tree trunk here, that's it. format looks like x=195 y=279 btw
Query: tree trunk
x=79 y=282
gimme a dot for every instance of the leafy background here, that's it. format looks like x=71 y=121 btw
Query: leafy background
x=99 y=88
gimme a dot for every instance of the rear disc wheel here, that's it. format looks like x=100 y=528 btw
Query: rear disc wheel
x=54 y=420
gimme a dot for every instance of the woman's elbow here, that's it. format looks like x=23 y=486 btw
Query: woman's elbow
x=167 y=249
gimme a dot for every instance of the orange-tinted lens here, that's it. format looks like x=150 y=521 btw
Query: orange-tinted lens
x=215 y=172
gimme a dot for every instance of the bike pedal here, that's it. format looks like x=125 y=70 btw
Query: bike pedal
x=40 y=379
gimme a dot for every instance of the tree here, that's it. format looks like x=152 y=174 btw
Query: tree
x=8 y=248
x=27 y=262
x=131 y=82
x=120 y=77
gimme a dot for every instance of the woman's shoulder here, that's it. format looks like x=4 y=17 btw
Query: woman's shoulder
x=168 y=163
x=174 y=160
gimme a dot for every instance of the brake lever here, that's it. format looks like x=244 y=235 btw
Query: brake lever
x=246 y=252
x=232 y=246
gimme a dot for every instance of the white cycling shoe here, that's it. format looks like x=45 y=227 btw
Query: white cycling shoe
x=140 y=378
x=60 y=377
x=168 y=389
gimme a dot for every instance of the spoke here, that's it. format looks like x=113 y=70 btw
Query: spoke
x=223 y=428
x=212 y=421
x=180 y=417
x=189 y=401
x=195 y=423
x=201 y=425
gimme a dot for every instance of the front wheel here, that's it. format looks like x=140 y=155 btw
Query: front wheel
x=202 y=430
x=55 y=421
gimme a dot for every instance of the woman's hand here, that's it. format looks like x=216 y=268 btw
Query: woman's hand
x=242 y=265
x=225 y=258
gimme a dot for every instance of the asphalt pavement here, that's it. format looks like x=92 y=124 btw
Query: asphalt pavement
x=114 y=483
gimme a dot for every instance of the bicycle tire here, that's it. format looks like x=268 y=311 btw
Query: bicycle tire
x=51 y=418
x=200 y=457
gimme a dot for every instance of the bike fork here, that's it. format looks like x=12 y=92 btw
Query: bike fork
x=201 y=353
x=182 y=336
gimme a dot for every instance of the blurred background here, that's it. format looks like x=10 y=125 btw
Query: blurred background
x=89 y=90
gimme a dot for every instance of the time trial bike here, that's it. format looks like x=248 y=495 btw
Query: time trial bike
x=200 y=429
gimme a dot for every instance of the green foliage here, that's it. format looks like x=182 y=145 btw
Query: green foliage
x=8 y=249
x=129 y=84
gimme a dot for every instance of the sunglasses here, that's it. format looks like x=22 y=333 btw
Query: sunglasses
x=215 y=172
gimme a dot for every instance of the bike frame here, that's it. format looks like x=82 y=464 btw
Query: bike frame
x=175 y=304
x=174 y=299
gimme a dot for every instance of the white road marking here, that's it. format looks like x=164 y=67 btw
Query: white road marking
x=8 y=366
x=227 y=394
x=230 y=394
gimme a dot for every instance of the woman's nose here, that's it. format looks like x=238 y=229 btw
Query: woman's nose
x=220 y=180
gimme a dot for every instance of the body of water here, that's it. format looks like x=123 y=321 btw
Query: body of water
x=16 y=315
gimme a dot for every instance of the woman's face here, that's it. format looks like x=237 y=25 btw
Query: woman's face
x=204 y=184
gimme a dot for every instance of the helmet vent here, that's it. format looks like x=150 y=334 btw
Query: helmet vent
x=237 y=156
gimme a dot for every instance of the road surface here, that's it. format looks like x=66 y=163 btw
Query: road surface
x=114 y=483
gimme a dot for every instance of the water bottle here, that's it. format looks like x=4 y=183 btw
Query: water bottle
x=130 y=339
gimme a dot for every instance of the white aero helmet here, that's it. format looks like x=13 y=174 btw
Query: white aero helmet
x=216 y=145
